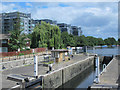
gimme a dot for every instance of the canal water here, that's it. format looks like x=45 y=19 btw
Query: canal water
x=86 y=78
x=105 y=51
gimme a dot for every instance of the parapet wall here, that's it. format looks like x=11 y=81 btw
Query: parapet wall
x=19 y=62
x=61 y=76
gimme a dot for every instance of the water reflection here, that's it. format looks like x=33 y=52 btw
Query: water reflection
x=77 y=82
x=86 y=78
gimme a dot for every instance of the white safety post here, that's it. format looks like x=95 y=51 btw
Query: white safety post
x=35 y=66
x=97 y=70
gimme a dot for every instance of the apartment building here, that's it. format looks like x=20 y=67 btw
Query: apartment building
x=65 y=27
x=76 y=30
x=8 y=22
x=10 y=19
x=45 y=20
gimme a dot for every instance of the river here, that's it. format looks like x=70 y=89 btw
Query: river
x=86 y=78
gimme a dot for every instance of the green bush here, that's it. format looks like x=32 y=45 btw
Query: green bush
x=20 y=54
x=22 y=49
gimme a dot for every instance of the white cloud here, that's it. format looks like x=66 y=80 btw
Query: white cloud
x=28 y=4
x=98 y=17
x=7 y=8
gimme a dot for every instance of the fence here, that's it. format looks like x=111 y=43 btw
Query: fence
x=8 y=54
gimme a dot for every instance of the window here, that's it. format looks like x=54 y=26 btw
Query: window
x=4 y=49
x=4 y=41
x=57 y=54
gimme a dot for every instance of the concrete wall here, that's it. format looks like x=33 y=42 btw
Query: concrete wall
x=61 y=76
x=19 y=62
x=52 y=80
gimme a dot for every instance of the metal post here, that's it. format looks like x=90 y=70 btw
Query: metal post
x=36 y=66
x=97 y=70
x=93 y=50
x=85 y=49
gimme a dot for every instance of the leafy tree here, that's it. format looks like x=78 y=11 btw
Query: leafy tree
x=66 y=39
x=100 y=41
x=46 y=35
x=110 y=41
x=17 y=40
x=91 y=41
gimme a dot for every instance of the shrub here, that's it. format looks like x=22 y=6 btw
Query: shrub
x=20 y=54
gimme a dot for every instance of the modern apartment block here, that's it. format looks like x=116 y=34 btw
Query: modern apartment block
x=76 y=30
x=65 y=27
x=10 y=19
x=45 y=20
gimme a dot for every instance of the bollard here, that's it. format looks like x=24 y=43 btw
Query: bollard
x=36 y=66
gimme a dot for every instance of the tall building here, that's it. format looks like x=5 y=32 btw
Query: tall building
x=65 y=27
x=76 y=30
x=10 y=19
x=45 y=20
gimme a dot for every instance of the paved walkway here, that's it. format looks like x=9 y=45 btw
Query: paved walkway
x=29 y=70
x=110 y=77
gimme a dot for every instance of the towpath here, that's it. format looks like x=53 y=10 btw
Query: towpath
x=29 y=70
x=109 y=78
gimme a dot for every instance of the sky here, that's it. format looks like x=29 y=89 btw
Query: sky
x=98 y=19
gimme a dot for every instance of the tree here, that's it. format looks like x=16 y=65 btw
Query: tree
x=17 y=40
x=92 y=41
x=110 y=41
x=66 y=39
x=100 y=41
x=46 y=35
x=82 y=41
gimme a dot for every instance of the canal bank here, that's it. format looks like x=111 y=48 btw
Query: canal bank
x=108 y=78
x=64 y=74
x=28 y=71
